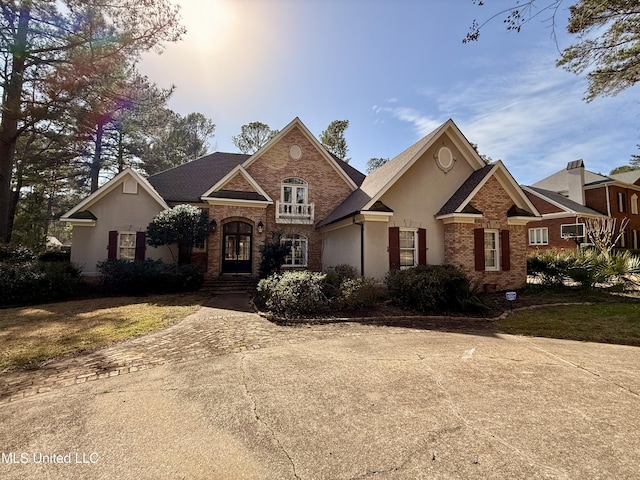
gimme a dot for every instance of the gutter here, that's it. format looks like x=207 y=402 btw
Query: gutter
x=361 y=245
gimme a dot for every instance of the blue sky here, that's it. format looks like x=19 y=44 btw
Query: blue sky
x=396 y=69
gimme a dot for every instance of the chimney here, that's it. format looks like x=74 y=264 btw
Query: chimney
x=575 y=181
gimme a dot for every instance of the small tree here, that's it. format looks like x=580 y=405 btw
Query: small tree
x=274 y=252
x=183 y=225
x=601 y=232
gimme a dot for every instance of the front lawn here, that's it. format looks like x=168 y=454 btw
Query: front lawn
x=617 y=323
x=30 y=335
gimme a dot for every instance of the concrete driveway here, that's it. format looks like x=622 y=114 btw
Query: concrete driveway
x=365 y=402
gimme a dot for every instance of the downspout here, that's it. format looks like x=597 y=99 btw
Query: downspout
x=361 y=245
x=608 y=201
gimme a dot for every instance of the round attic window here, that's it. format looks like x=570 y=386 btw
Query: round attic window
x=295 y=152
x=445 y=159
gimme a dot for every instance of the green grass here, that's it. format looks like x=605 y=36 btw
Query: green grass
x=605 y=323
x=30 y=335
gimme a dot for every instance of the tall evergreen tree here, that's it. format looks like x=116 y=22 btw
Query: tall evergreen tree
x=50 y=50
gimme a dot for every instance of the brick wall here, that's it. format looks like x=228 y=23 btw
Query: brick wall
x=542 y=205
x=554 y=233
x=493 y=201
x=326 y=187
x=238 y=183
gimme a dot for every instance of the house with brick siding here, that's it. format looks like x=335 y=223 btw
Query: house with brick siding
x=570 y=196
x=436 y=202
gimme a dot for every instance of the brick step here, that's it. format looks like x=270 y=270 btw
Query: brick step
x=230 y=284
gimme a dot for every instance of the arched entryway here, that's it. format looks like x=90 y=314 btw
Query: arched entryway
x=236 y=247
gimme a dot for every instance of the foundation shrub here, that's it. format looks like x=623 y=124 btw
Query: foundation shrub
x=292 y=294
x=347 y=290
x=148 y=276
x=431 y=289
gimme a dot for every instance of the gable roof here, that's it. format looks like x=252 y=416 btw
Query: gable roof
x=216 y=191
x=189 y=181
x=561 y=201
x=381 y=179
x=459 y=201
x=341 y=167
x=627 y=177
x=559 y=181
x=79 y=211
x=463 y=194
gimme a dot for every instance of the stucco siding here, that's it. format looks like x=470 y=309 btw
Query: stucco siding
x=342 y=246
x=376 y=235
x=114 y=211
x=415 y=199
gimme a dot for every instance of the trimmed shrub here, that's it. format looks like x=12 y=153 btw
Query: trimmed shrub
x=148 y=276
x=430 y=288
x=357 y=293
x=335 y=276
x=292 y=294
x=347 y=290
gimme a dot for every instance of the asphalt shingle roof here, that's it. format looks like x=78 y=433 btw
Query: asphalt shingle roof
x=564 y=201
x=464 y=191
x=188 y=182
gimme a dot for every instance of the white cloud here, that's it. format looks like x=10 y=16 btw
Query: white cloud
x=532 y=117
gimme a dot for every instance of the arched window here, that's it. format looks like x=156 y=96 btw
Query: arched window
x=294 y=191
x=298 y=250
x=634 y=204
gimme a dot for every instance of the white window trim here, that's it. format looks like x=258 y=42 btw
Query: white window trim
x=584 y=230
x=294 y=187
x=120 y=247
x=535 y=232
x=288 y=238
x=621 y=202
x=634 y=204
x=415 y=248
x=496 y=234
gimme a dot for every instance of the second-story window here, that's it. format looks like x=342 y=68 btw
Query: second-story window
x=294 y=206
x=621 y=202
x=294 y=190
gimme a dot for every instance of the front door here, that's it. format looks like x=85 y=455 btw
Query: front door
x=236 y=246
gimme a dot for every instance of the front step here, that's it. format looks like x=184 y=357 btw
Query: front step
x=230 y=284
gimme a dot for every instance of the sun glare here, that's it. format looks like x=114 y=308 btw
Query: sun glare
x=209 y=24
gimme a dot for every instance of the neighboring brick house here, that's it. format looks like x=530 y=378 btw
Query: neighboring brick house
x=437 y=202
x=569 y=197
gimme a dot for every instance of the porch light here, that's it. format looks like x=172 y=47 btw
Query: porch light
x=213 y=225
x=260 y=226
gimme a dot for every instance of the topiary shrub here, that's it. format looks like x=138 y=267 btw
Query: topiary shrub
x=428 y=288
x=148 y=276
x=292 y=294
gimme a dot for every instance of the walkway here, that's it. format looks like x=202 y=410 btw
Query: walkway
x=226 y=326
